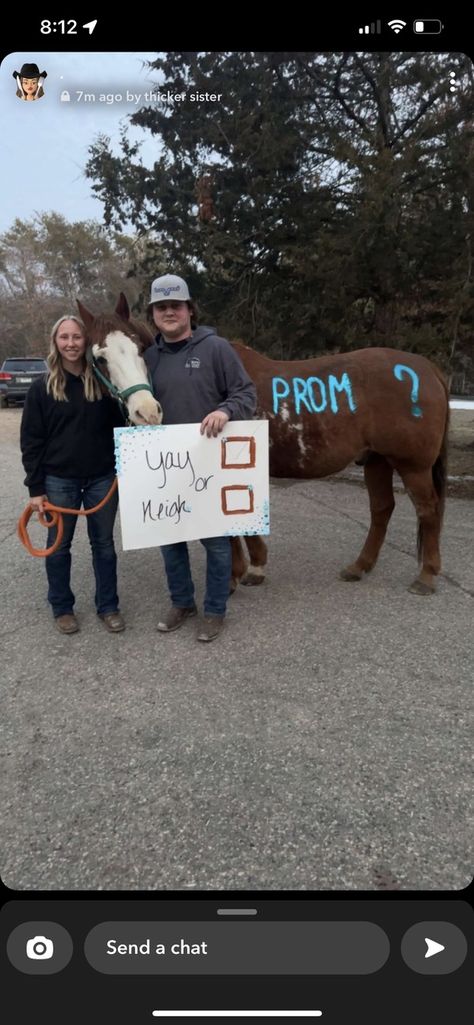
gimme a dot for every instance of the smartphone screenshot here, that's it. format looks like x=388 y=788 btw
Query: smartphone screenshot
x=237 y=460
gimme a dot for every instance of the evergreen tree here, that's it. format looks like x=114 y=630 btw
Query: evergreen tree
x=324 y=201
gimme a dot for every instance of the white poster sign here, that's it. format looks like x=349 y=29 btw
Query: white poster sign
x=176 y=484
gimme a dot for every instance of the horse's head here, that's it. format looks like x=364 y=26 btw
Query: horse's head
x=117 y=343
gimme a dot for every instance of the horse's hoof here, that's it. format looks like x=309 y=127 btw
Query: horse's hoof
x=253 y=579
x=418 y=587
x=351 y=573
x=232 y=586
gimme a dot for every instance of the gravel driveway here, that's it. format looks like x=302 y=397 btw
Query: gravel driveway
x=322 y=743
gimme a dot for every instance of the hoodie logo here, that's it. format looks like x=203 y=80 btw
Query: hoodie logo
x=192 y=363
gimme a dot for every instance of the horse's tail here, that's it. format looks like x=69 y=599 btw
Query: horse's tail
x=439 y=469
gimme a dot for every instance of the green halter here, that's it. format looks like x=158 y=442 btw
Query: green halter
x=121 y=396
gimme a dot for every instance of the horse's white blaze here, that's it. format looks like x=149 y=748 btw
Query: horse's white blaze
x=127 y=368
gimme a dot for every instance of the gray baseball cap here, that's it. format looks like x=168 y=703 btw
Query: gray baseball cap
x=169 y=286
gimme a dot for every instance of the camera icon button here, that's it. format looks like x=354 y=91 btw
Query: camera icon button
x=39 y=948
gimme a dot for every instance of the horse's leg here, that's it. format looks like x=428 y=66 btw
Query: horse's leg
x=239 y=564
x=420 y=487
x=378 y=478
x=257 y=550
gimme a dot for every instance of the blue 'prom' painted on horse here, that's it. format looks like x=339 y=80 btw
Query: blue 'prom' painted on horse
x=303 y=393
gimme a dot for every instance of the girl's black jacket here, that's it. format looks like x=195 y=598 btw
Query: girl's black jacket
x=67 y=439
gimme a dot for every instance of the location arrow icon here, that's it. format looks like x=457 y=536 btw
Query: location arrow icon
x=433 y=947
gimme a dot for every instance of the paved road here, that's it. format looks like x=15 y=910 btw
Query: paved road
x=322 y=742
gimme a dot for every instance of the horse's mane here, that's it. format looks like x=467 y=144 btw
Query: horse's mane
x=249 y=353
x=144 y=333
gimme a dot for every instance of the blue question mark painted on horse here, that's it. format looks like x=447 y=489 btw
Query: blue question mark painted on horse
x=399 y=370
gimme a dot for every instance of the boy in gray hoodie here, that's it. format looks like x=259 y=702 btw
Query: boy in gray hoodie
x=196 y=376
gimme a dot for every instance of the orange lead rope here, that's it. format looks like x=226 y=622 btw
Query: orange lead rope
x=56 y=512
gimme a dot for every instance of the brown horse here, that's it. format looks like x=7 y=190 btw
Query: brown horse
x=383 y=408
x=386 y=409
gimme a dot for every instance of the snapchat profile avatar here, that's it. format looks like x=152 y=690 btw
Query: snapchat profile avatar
x=30 y=82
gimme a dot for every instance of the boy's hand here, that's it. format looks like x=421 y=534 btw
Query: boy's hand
x=214 y=422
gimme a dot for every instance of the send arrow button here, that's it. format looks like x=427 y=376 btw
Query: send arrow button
x=418 y=950
x=433 y=947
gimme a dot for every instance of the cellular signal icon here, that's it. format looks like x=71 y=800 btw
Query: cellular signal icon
x=374 y=28
x=396 y=25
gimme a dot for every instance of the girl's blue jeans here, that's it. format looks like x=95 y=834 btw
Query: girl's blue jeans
x=72 y=493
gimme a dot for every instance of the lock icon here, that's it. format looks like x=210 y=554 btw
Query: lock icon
x=65 y=97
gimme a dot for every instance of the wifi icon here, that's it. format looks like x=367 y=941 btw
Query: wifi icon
x=396 y=25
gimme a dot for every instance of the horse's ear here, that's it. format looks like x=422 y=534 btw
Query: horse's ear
x=122 y=308
x=86 y=316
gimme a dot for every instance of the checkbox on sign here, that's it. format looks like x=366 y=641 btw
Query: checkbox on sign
x=237 y=498
x=238 y=453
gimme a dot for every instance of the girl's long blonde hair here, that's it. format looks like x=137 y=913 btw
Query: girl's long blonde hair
x=56 y=381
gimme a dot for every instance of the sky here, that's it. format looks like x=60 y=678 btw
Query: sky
x=45 y=143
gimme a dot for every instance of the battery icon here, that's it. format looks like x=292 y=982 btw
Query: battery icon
x=428 y=26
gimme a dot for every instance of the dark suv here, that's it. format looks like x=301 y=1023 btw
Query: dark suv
x=16 y=375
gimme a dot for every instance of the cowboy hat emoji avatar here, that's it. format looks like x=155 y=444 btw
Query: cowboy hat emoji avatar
x=30 y=82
